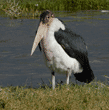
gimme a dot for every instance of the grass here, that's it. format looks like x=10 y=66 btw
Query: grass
x=33 y=8
x=78 y=97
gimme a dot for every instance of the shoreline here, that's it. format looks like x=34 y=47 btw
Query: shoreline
x=15 y=8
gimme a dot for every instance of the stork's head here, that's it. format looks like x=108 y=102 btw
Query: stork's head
x=46 y=16
x=45 y=20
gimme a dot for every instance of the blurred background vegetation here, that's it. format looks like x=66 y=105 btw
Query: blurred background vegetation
x=34 y=7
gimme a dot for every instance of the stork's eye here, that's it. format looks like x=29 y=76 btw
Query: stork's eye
x=47 y=16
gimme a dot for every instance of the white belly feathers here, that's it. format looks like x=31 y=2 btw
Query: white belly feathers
x=55 y=56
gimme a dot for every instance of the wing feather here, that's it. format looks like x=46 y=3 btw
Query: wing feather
x=73 y=45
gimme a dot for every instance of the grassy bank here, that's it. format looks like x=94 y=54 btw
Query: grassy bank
x=33 y=7
x=87 y=97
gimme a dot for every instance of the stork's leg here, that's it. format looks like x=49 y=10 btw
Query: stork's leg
x=67 y=78
x=68 y=75
x=53 y=80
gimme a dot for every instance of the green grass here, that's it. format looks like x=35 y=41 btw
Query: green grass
x=33 y=8
x=78 y=97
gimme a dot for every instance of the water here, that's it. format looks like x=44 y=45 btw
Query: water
x=17 y=67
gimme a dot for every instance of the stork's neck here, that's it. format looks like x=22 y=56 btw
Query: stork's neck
x=56 y=24
x=49 y=39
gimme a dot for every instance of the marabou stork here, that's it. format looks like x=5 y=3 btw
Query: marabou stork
x=64 y=51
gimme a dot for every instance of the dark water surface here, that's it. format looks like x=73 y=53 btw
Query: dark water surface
x=17 y=67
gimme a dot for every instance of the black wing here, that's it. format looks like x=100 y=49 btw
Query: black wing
x=75 y=47
x=73 y=44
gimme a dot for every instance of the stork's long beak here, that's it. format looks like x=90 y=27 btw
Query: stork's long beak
x=42 y=31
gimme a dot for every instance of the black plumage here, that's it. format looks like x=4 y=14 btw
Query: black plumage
x=75 y=47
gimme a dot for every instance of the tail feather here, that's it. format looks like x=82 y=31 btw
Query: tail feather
x=85 y=76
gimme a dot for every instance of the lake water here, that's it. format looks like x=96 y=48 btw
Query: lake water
x=17 y=67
